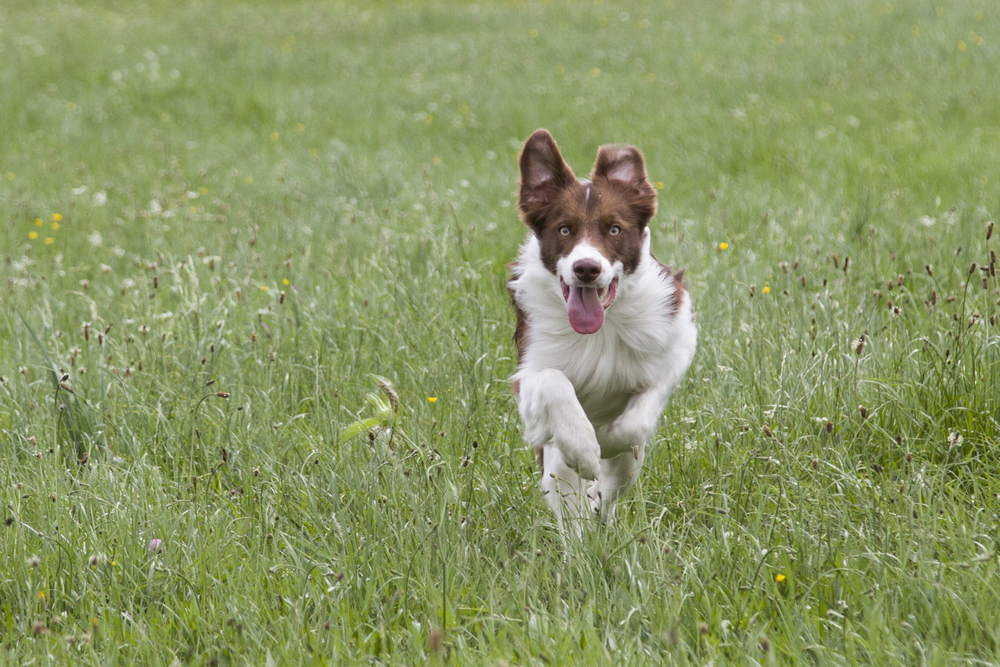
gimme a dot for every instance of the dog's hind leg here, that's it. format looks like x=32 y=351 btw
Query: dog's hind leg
x=618 y=474
x=564 y=491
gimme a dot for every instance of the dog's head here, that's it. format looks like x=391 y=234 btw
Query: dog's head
x=591 y=233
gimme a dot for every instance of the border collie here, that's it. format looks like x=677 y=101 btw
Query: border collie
x=604 y=332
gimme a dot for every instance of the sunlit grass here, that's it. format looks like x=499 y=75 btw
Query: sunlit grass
x=255 y=340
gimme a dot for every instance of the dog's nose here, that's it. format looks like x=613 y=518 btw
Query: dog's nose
x=586 y=270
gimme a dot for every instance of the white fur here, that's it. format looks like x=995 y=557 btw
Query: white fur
x=591 y=403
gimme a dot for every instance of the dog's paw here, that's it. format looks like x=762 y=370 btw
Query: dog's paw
x=581 y=453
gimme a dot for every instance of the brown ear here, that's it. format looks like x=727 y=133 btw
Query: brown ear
x=543 y=174
x=624 y=168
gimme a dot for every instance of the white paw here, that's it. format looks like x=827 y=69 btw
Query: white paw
x=582 y=456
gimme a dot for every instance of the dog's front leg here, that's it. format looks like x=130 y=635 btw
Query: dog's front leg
x=553 y=414
x=623 y=446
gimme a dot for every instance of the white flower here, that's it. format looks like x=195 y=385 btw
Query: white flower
x=100 y=198
x=80 y=190
x=95 y=239
x=927 y=221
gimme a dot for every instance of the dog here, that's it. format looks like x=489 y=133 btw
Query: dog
x=604 y=332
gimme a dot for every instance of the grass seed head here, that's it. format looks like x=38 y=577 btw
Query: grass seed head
x=859 y=345
x=435 y=640
x=864 y=411
x=989 y=230
x=929 y=269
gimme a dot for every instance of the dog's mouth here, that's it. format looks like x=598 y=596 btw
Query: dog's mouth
x=586 y=305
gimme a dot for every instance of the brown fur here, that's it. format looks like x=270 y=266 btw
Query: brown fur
x=619 y=195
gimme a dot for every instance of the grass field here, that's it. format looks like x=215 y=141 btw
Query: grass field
x=220 y=222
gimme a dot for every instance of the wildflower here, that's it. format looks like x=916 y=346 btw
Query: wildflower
x=49 y=240
x=57 y=217
x=32 y=235
x=41 y=596
x=962 y=46
x=34 y=561
x=10 y=176
x=38 y=222
x=248 y=180
x=432 y=398
x=285 y=281
x=263 y=288
x=154 y=545
x=766 y=290
x=203 y=191
x=779 y=578
x=659 y=185
x=55 y=226
x=723 y=246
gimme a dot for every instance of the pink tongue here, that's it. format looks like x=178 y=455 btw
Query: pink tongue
x=586 y=314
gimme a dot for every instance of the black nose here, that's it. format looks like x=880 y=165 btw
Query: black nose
x=586 y=270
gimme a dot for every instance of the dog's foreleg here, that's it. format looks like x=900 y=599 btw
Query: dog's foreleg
x=623 y=444
x=564 y=491
x=618 y=474
x=553 y=415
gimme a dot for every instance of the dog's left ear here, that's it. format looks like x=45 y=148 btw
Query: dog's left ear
x=623 y=167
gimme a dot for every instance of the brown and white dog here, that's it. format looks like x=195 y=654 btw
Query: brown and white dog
x=604 y=332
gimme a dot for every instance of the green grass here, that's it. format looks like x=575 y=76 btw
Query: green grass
x=366 y=155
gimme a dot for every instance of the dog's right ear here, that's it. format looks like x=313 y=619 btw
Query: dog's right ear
x=544 y=174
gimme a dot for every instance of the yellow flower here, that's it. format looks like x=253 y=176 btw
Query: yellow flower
x=57 y=217
x=55 y=226
x=779 y=578
x=766 y=289
x=39 y=222
x=723 y=245
x=41 y=595
x=193 y=209
x=263 y=288
x=49 y=240
x=10 y=176
x=248 y=180
x=962 y=46
x=203 y=191
x=432 y=398
x=285 y=281
x=659 y=185
x=32 y=235
x=436 y=160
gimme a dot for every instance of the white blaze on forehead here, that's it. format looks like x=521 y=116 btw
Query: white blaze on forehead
x=584 y=250
x=587 y=186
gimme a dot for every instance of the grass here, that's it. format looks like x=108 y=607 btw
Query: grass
x=280 y=202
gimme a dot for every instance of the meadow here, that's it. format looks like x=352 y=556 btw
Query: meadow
x=255 y=340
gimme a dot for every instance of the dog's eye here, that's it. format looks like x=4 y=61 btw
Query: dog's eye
x=564 y=230
x=615 y=231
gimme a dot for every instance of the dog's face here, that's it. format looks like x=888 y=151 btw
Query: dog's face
x=590 y=233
